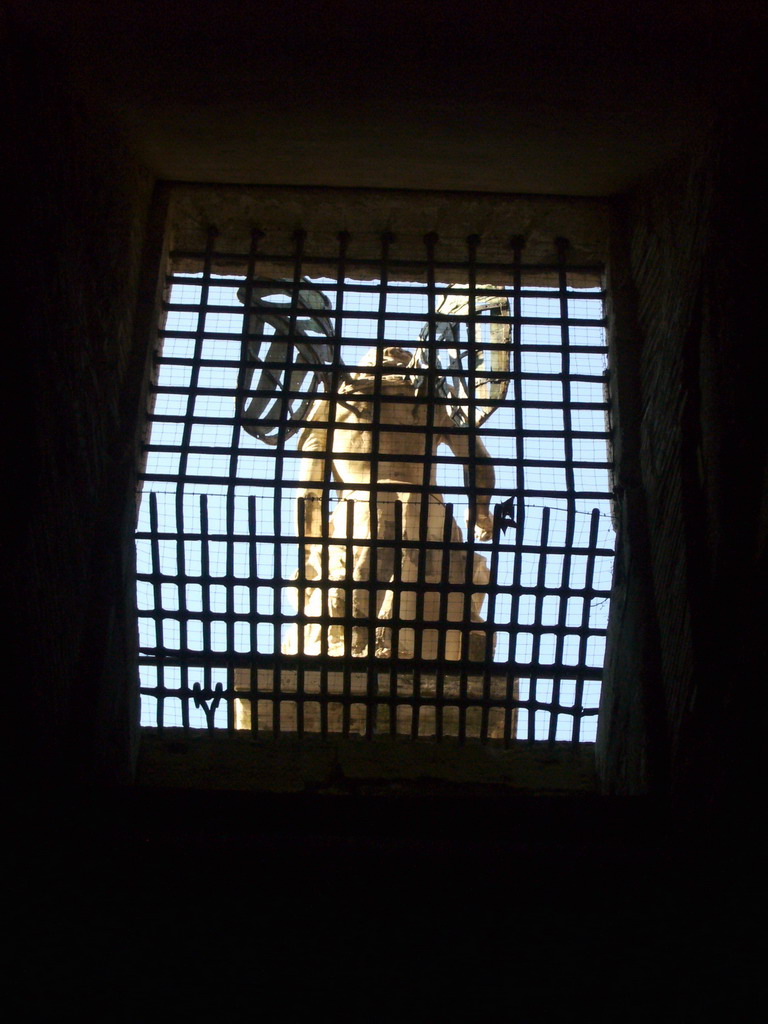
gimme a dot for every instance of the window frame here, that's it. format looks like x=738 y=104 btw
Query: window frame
x=517 y=239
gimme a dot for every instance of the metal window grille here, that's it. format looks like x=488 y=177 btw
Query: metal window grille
x=233 y=633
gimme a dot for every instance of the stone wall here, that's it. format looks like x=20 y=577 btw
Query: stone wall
x=692 y=463
x=81 y=203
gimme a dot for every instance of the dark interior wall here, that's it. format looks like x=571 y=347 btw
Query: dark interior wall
x=687 y=641
x=282 y=899
x=689 y=452
x=631 y=740
x=565 y=97
x=79 y=203
x=696 y=262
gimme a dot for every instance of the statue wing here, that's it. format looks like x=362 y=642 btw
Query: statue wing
x=472 y=352
x=286 y=329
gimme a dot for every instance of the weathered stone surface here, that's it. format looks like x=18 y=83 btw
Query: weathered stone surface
x=407 y=215
x=384 y=765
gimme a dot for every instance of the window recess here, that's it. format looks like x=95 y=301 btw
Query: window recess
x=376 y=498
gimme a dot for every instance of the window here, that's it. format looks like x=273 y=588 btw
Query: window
x=376 y=496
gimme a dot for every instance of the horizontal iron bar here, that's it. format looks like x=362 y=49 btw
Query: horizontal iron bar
x=228 y=421
x=376 y=700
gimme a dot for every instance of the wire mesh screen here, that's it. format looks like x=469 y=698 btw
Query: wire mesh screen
x=376 y=499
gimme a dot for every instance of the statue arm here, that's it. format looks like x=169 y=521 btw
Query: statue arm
x=480 y=478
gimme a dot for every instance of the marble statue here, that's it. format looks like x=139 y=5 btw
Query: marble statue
x=383 y=566
x=386 y=543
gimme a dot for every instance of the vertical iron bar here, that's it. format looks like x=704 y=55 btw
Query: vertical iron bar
x=336 y=377
x=229 y=572
x=157 y=590
x=586 y=611
x=517 y=244
x=430 y=242
x=373 y=563
x=349 y=613
x=442 y=618
x=189 y=417
x=181 y=569
x=279 y=464
x=537 y=616
x=250 y=275
x=570 y=476
x=470 y=477
x=373 y=496
x=397 y=585
x=205 y=581
x=253 y=589
x=565 y=590
x=299 y=237
x=490 y=632
x=301 y=611
x=325 y=607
